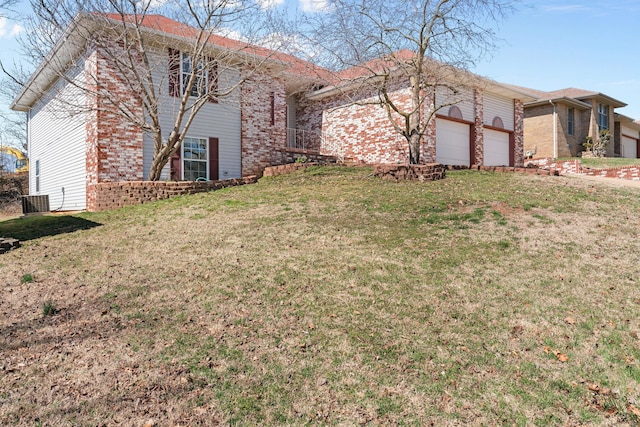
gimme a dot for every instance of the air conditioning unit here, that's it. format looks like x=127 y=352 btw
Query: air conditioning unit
x=35 y=204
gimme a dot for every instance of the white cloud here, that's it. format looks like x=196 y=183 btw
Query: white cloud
x=314 y=5
x=17 y=29
x=290 y=44
x=152 y=4
x=229 y=33
x=269 y=4
x=9 y=30
x=566 y=8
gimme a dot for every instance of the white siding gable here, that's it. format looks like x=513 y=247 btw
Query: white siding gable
x=463 y=99
x=57 y=139
x=629 y=132
x=498 y=106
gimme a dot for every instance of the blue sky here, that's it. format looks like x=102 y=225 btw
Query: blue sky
x=590 y=45
x=548 y=45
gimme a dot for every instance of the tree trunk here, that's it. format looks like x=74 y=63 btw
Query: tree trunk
x=414 y=147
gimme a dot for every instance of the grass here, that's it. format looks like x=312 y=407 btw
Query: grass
x=605 y=162
x=49 y=308
x=330 y=297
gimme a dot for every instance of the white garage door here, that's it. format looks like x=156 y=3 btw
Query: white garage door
x=629 y=147
x=496 y=148
x=452 y=143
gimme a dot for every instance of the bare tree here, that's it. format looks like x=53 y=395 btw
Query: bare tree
x=6 y=6
x=386 y=45
x=129 y=38
x=13 y=125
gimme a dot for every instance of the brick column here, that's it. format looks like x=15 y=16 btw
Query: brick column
x=518 y=133
x=478 y=127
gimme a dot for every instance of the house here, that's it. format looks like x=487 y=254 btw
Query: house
x=558 y=123
x=626 y=137
x=476 y=121
x=74 y=148
x=286 y=108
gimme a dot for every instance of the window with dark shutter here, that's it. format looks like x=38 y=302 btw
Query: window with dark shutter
x=174 y=72
x=214 y=159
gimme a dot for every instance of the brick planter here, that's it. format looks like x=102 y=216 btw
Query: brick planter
x=422 y=173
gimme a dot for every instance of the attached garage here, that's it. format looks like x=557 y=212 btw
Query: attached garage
x=629 y=147
x=496 y=148
x=453 y=142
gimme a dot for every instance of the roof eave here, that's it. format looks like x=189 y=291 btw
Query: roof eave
x=492 y=86
x=44 y=76
x=28 y=96
x=510 y=92
x=611 y=101
x=564 y=99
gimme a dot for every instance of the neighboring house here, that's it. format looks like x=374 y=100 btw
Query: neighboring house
x=286 y=110
x=558 y=123
x=626 y=137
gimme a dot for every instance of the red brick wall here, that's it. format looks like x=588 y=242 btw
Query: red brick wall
x=364 y=133
x=114 y=144
x=259 y=137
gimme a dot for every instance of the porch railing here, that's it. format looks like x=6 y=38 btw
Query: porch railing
x=303 y=139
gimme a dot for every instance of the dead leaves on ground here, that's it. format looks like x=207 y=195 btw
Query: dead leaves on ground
x=560 y=356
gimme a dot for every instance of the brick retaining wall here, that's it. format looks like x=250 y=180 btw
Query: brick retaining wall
x=564 y=167
x=286 y=155
x=527 y=170
x=629 y=172
x=422 y=173
x=113 y=195
x=288 y=168
x=574 y=167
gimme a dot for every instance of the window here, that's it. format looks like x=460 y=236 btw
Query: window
x=195 y=159
x=181 y=67
x=603 y=117
x=273 y=108
x=455 y=112
x=497 y=122
x=570 y=121
x=37 y=176
x=199 y=86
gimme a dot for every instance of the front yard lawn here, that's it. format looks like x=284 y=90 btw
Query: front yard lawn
x=329 y=297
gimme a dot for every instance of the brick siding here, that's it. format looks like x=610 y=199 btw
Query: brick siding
x=259 y=137
x=114 y=144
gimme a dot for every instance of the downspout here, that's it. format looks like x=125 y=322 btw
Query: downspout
x=555 y=129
